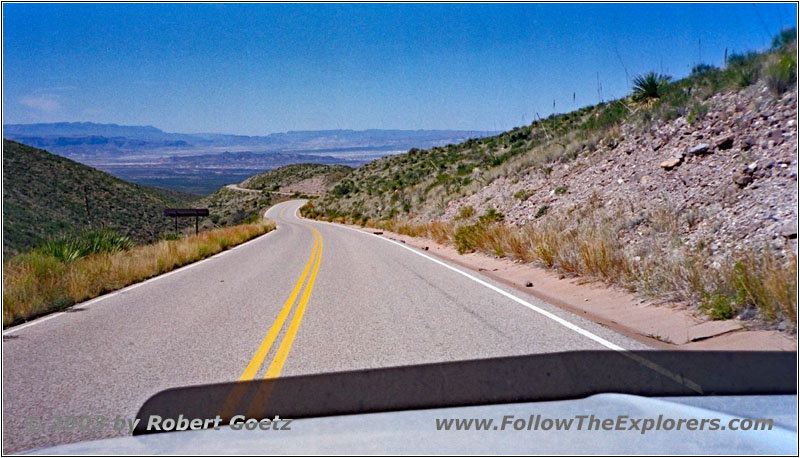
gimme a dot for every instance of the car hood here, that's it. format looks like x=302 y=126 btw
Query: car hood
x=415 y=431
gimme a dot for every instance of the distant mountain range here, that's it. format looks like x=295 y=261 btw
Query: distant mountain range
x=201 y=163
x=85 y=139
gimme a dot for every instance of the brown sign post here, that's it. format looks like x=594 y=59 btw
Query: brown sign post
x=184 y=212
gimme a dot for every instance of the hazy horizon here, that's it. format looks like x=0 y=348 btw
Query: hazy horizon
x=255 y=69
x=228 y=133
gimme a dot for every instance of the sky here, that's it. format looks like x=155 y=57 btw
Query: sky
x=255 y=69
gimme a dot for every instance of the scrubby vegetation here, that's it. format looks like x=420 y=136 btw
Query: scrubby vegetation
x=71 y=247
x=276 y=179
x=68 y=270
x=45 y=195
x=227 y=207
x=649 y=86
x=410 y=193
x=419 y=183
x=754 y=282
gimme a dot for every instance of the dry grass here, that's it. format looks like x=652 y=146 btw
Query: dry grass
x=589 y=246
x=35 y=283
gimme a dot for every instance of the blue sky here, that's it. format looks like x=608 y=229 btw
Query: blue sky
x=261 y=68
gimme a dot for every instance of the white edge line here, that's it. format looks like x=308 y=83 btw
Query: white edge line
x=89 y=302
x=612 y=346
x=514 y=298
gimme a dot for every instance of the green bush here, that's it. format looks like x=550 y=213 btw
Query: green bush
x=649 y=86
x=491 y=216
x=523 y=194
x=468 y=237
x=466 y=212
x=782 y=74
x=697 y=113
x=743 y=69
x=719 y=306
x=785 y=38
x=613 y=113
x=702 y=70
x=542 y=211
x=343 y=188
x=68 y=248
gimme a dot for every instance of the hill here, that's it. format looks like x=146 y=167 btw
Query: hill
x=685 y=190
x=233 y=205
x=303 y=178
x=201 y=163
x=45 y=195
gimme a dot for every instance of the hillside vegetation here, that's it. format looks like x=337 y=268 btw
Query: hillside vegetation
x=685 y=190
x=45 y=280
x=229 y=207
x=303 y=178
x=420 y=183
x=45 y=195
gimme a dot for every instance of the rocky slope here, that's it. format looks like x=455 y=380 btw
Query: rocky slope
x=727 y=181
x=685 y=191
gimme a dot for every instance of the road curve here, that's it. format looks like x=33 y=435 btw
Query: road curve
x=236 y=187
x=309 y=297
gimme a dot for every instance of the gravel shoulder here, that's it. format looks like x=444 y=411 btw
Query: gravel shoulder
x=662 y=325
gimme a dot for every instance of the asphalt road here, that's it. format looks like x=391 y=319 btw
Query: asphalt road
x=309 y=297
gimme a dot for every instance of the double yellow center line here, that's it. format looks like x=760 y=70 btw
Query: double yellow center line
x=275 y=367
x=258 y=402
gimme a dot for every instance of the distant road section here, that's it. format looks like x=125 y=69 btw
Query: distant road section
x=234 y=187
x=307 y=298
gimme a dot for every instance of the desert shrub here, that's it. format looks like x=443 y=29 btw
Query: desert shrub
x=468 y=238
x=466 y=212
x=71 y=247
x=782 y=74
x=702 y=70
x=523 y=194
x=649 y=86
x=491 y=216
x=784 y=38
x=542 y=211
x=697 y=113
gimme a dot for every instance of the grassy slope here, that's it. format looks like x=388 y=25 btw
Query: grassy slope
x=407 y=193
x=291 y=174
x=227 y=207
x=43 y=196
x=36 y=283
x=421 y=182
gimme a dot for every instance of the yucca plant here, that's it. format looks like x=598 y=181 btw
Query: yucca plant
x=68 y=248
x=649 y=86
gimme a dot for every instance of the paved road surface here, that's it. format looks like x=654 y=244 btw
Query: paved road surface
x=309 y=297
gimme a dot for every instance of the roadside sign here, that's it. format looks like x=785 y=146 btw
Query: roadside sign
x=184 y=212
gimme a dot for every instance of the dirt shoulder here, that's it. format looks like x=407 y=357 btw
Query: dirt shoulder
x=660 y=325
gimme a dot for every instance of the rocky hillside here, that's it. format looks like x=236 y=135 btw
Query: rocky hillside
x=311 y=179
x=230 y=206
x=728 y=178
x=45 y=195
x=686 y=190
